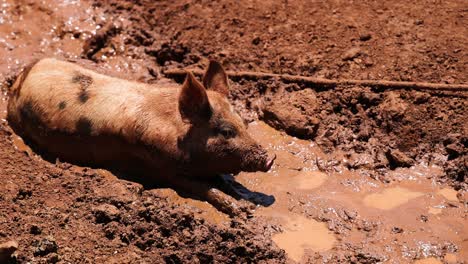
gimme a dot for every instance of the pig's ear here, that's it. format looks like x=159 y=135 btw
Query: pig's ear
x=215 y=78
x=193 y=100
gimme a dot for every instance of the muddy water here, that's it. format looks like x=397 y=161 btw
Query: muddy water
x=390 y=198
x=414 y=216
x=301 y=234
x=449 y=194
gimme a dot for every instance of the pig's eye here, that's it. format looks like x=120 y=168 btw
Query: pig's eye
x=227 y=132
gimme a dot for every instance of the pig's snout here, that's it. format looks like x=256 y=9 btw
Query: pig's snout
x=269 y=162
x=257 y=159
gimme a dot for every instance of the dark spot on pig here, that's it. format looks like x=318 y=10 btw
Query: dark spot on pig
x=31 y=114
x=84 y=126
x=62 y=105
x=83 y=96
x=84 y=81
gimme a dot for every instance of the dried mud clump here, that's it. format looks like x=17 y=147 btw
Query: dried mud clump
x=294 y=112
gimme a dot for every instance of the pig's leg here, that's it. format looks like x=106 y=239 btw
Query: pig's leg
x=215 y=197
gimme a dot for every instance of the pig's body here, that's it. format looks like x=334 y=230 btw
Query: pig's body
x=82 y=116
x=86 y=117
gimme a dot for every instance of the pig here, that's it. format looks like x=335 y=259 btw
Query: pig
x=181 y=136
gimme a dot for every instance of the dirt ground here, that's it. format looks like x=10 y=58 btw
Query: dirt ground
x=363 y=175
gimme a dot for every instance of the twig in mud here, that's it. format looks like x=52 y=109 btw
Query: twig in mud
x=174 y=73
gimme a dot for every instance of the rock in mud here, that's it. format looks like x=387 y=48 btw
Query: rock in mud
x=106 y=213
x=118 y=192
x=35 y=230
x=365 y=37
x=6 y=250
x=393 y=107
x=287 y=112
x=53 y=258
x=457 y=169
x=351 y=53
x=398 y=159
x=45 y=246
x=454 y=149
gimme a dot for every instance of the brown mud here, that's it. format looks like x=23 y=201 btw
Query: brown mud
x=370 y=175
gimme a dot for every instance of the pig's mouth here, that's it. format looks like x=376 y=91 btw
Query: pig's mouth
x=263 y=165
x=269 y=163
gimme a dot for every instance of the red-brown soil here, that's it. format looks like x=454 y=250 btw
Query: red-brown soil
x=364 y=140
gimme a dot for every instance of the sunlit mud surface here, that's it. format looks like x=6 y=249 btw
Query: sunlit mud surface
x=412 y=217
x=301 y=234
x=311 y=204
x=390 y=198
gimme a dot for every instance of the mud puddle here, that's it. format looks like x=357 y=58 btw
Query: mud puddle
x=301 y=234
x=409 y=218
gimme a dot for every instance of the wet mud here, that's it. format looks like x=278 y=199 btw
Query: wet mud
x=398 y=221
x=362 y=175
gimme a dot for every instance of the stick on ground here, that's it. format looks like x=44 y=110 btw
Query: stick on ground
x=174 y=73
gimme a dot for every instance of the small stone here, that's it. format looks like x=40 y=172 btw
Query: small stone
x=106 y=213
x=111 y=230
x=397 y=230
x=398 y=158
x=454 y=149
x=45 y=246
x=6 y=250
x=351 y=53
x=35 y=230
x=368 y=62
x=351 y=214
x=421 y=98
x=419 y=22
x=256 y=41
x=365 y=37
x=23 y=194
x=54 y=258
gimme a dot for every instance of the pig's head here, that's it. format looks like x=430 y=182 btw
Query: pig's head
x=217 y=140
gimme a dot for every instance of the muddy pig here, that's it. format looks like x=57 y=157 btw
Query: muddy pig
x=176 y=135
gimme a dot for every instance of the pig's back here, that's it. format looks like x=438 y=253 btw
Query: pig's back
x=76 y=113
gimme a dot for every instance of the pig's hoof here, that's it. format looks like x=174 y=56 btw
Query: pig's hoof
x=229 y=205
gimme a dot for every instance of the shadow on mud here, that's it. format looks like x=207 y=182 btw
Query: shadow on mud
x=226 y=183
x=239 y=191
x=223 y=192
